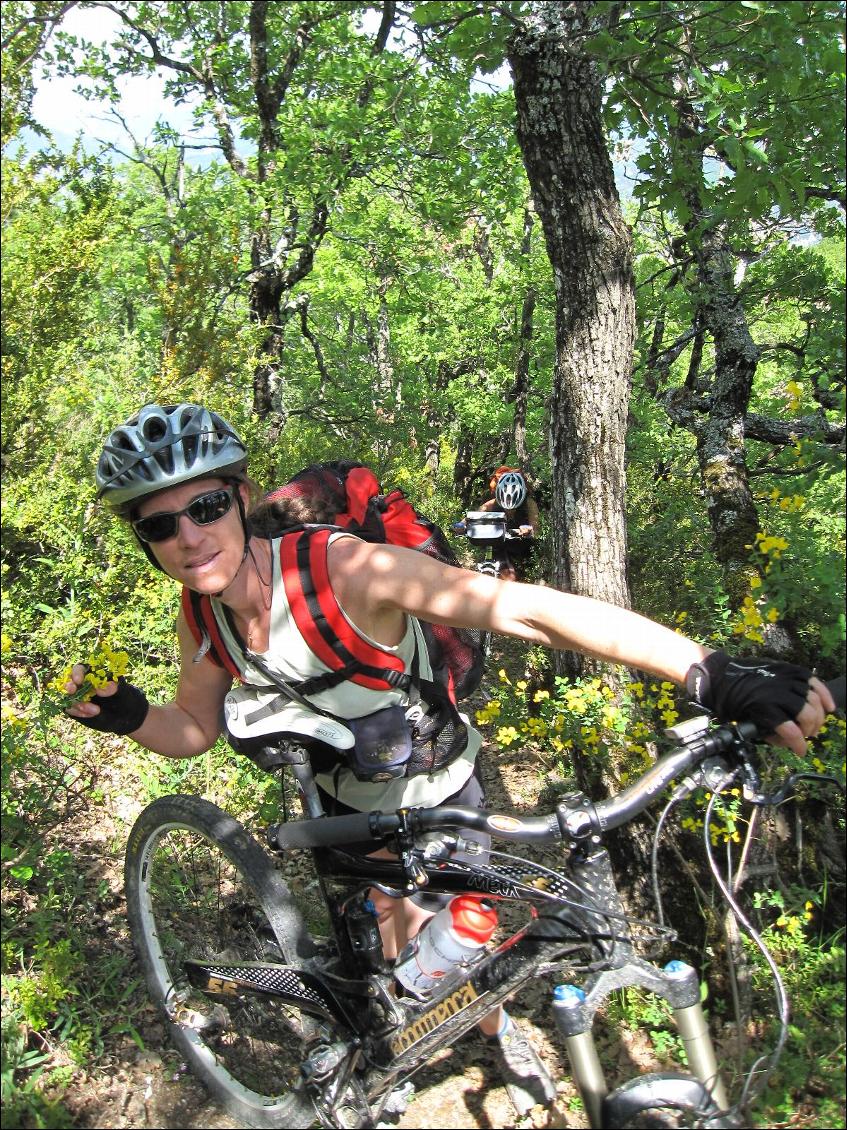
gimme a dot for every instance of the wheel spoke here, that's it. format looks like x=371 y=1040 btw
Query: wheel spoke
x=204 y=910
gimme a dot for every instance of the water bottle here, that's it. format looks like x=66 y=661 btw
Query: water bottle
x=446 y=945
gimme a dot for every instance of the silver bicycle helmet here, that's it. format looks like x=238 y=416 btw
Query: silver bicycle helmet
x=511 y=490
x=162 y=446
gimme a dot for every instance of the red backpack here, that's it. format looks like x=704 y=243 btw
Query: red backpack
x=364 y=509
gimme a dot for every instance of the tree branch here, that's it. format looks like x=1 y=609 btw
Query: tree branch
x=320 y=361
x=781 y=433
x=48 y=21
x=204 y=79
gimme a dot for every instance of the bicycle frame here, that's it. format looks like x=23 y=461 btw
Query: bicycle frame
x=368 y=1040
x=406 y=1032
x=538 y=948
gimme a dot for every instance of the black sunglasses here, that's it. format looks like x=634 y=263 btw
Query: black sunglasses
x=203 y=511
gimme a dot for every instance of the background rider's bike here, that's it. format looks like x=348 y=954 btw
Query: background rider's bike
x=489 y=535
x=269 y=970
x=487 y=531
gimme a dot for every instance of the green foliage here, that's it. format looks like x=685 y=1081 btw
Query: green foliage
x=583 y=718
x=23 y=1077
x=766 y=99
x=126 y=281
x=639 y=1011
x=26 y=27
x=812 y=968
x=794 y=303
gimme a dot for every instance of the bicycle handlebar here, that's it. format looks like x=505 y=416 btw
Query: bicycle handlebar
x=510 y=533
x=567 y=821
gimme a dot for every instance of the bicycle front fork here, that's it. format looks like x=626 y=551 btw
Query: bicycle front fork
x=574 y=1010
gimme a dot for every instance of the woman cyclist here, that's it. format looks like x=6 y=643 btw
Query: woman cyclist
x=178 y=475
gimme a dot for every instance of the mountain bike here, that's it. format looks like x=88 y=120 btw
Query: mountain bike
x=487 y=532
x=276 y=990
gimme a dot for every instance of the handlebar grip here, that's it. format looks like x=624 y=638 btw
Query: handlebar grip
x=325 y=831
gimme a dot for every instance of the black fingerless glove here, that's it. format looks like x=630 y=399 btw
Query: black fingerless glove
x=120 y=713
x=764 y=691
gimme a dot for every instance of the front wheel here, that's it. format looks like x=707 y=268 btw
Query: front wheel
x=661 y=1100
x=198 y=886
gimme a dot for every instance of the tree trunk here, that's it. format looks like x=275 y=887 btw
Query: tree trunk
x=266 y=290
x=720 y=434
x=558 y=93
x=462 y=470
x=720 y=315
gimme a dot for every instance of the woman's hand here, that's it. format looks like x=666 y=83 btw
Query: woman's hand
x=75 y=684
x=118 y=707
x=785 y=701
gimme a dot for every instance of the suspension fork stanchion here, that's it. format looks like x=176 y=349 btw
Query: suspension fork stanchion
x=575 y=1028
x=678 y=982
x=691 y=1022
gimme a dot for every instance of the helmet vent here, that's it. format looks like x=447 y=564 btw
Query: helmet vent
x=190 y=446
x=154 y=430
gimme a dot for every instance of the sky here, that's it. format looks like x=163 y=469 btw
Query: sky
x=66 y=114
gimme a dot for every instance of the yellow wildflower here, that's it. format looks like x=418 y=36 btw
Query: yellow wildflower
x=771 y=546
x=506 y=735
x=104 y=666
x=794 y=393
x=489 y=713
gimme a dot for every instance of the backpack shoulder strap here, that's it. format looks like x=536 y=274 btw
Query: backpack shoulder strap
x=305 y=574
x=200 y=618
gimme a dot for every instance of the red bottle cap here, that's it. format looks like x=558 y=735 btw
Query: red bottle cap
x=473 y=918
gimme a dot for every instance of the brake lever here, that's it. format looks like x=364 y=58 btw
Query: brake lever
x=787 y=790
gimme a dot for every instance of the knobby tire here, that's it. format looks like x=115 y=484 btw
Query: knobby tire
x=199 y=886
x=662 y=1101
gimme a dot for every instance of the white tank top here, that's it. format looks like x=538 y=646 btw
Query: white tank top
x=290 y=656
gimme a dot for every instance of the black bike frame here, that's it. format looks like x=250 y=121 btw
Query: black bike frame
x=585 y=915
x=448 y=1014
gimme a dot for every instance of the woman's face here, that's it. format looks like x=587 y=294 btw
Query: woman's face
x=206 y=558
